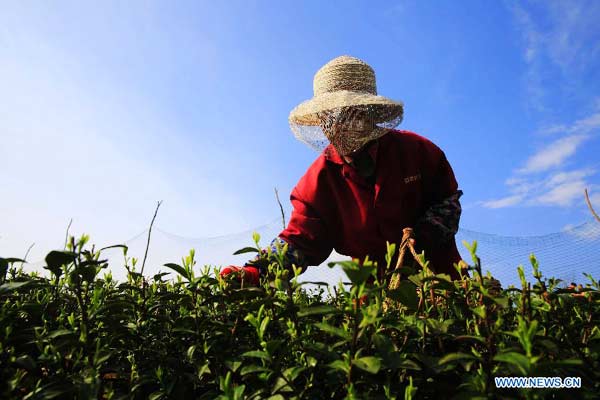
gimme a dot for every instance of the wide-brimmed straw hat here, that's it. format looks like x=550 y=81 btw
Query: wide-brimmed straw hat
x=343 y=83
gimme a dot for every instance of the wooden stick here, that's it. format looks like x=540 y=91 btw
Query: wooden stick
x=67 y=234
x=280 y=207
x=589 y=203
x=149 y=233
x=27 y=253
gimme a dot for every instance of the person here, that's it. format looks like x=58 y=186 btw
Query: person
x=369 y=182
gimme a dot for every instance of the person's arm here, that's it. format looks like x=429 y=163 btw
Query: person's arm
x=307 y=238
x=307 y=235
x=437 y=227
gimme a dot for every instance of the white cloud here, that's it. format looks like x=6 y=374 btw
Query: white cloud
x=532 y=38
x=559 y=42
x=504 y=202
x=533 y=47
x=553 y=155
x=582 y=126
x=571 y=40
x=513 y=181
x=522 y=186
x=564 y=194
x=561 y=178
x=552 y=129
x=540 y=183
x=587 y=124
x=561 y=189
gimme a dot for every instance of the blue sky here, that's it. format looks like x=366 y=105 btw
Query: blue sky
x=107 y=107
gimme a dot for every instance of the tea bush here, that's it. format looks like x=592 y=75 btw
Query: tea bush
x=79 y=334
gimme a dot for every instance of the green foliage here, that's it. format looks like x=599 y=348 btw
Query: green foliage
x=79 y=335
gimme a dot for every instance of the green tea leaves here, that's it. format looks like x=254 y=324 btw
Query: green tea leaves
x=56 y=259
x=179 y=269
x=247 y=250
x=355 y=272
x=332 y=330
x=369 y=364
x=193 y=335
x=406 y=294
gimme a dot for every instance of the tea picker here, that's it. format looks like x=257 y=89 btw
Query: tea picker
x=368 y=183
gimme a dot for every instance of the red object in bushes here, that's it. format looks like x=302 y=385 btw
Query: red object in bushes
x=362 y=301
x=249 y=274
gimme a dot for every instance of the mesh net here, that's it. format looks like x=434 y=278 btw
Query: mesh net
x=565 y=255
x=348 y=128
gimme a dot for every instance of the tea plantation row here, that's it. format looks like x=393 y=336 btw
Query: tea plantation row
x=79 y=334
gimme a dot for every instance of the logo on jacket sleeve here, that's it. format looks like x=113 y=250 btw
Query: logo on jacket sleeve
x=412 y=178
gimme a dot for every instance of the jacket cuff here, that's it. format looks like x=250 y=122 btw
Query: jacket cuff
x=440 y=221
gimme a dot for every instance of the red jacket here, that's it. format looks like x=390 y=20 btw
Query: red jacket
x=335 y=208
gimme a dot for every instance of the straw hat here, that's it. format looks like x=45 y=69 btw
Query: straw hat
x=342 y=84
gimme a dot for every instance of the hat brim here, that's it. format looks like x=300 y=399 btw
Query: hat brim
x=307 y=112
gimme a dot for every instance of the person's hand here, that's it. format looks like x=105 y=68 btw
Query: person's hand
x=246 y=274
x=576 y=290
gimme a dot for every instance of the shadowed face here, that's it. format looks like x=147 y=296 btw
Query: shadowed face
x=347 y=129
x=358 y=155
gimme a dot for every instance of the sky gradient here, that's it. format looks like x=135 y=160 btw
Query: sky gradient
x=108 y=107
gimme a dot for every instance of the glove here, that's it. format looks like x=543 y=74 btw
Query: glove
x=246 y=274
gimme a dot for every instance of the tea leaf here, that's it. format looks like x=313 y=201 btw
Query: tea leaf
x=238 y=392
x=26 y=362
x=293 y=372
x=480 y=311
x=406 y=293
x=115 y=246
x=256 y=354
x=450 y=357
x=179 y=269
x=441 y=281
x=247 y=250
x=56 y=259
x=59 y=333
x=281 y=386
x=12 y=260
x=333 y=330
x=369 y=364
x=318 y=310
x=517 y=359
x=470 y=337
x=3 y=268
x=252 y=369
x=339 y=365
x=10 y=286
x=355 y=272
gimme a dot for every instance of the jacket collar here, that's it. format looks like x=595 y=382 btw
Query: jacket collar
x=331 y=154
